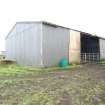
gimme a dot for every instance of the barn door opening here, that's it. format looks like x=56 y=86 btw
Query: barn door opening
x=89 y=48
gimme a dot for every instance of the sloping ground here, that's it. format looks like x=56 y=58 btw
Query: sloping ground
x=81 y=86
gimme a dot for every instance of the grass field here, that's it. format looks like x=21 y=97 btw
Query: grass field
x=25 y=85
x=14 y=69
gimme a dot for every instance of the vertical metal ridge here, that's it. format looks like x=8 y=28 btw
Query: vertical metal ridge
x=41 y=49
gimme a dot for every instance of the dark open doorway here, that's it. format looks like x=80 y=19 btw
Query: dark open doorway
x=89 y=48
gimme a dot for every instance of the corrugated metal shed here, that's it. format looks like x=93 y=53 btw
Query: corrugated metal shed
x=37 y=43
x=45 y=44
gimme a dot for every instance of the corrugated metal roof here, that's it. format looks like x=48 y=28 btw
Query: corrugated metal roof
x=51 y=24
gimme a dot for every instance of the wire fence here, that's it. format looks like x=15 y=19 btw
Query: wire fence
x=90 y=57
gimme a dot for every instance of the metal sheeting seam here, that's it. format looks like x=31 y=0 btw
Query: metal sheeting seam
x=41 y=49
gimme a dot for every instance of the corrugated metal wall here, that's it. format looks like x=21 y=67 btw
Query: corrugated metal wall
x=102 y=48
x=55 y=44
x=74 y=47
x=23 y=44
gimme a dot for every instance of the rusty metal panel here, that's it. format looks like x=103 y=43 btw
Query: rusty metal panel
x=74 y=47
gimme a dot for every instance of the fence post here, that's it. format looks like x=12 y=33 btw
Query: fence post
x=85 y=57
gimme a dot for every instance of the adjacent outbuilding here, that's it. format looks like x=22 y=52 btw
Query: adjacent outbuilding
x=45 y=44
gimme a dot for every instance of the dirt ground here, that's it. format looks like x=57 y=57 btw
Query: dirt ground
x=80 y=86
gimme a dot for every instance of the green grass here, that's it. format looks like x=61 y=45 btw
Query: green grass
x=14 y=69
x=102 y=61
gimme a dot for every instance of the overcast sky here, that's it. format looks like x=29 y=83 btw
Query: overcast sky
x=84 y=15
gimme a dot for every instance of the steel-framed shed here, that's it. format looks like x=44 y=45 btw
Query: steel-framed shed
x=45 y=44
